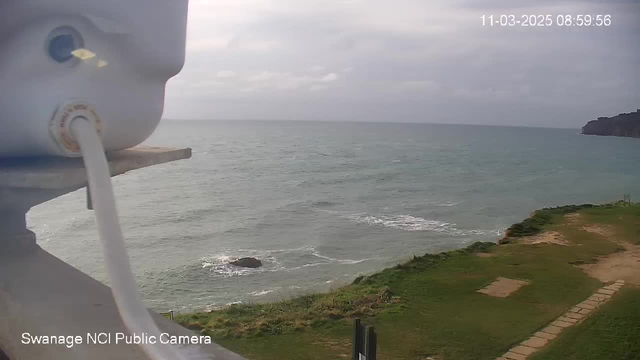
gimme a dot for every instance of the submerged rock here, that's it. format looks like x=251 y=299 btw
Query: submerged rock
x=247 y=262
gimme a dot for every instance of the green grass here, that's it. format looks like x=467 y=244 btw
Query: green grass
x=624 y=219
x=429 y=306
x=535 y=223
x=298 y=314
x=612 y=333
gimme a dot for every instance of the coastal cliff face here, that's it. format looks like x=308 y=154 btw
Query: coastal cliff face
x=621 y=125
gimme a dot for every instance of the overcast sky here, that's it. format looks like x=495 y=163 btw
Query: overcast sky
x=406 y=61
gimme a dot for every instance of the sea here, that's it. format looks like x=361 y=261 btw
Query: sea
x=320 y=203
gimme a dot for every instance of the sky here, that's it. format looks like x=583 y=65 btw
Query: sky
x=428 y=61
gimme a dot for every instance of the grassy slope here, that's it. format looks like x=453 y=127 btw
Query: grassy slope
x=612 y=333
x=436 y=311
x=535 y=223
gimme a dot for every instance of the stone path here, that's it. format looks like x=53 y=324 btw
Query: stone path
x=572 y=317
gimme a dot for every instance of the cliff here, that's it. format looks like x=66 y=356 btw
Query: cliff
x=621 y=125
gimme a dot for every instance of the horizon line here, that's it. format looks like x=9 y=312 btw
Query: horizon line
x=372 y=122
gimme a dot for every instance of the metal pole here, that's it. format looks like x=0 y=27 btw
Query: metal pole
x=89 y=202
x=357 y=339
x=371 y=343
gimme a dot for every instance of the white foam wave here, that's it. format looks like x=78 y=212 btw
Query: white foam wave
x=442 y=203
x=403 y=222
x=413 y=223
x=339 y=261
x=264 y=292
x=273 y=260
x=447 y=203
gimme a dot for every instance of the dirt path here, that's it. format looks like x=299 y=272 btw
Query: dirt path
x=623 y=265
x=547 y=237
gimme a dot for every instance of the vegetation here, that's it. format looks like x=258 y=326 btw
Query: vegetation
x=535 y=223
x=297 y=314
x=429 y=307
x=611 y=333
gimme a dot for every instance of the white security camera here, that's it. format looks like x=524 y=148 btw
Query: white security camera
x=104 y=60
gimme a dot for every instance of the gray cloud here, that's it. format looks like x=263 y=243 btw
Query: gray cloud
x=408 y=60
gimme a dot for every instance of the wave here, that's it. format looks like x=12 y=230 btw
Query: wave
x=413 y=223
x=323 y=204
x=434 y=203
x=264 y=292
x=284 y=260
x=446 y=203
x=338 y=261
x=403 y=222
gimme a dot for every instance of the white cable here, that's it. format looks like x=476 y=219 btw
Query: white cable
x=125 y=292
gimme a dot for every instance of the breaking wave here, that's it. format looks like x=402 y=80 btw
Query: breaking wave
x=413 y=223
x=272 y=260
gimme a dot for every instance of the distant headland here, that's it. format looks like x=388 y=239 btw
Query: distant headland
x=627 y=125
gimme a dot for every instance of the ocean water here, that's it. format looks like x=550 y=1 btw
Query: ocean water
x=322 y=202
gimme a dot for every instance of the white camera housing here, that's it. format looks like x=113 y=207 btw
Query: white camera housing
x=110 y=57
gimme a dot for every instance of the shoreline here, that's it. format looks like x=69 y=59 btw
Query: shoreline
x=530 y=226
x=436 y=286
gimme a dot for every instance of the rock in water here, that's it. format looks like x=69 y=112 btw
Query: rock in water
x=247 y=262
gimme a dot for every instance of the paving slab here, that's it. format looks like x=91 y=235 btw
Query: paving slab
x=561 y=323
x=514 y=356
x=552 y=329
x=584 y=305
x=585 y=311
x=573 y=315
x=523 y=350
x=545 y=335
x=570 y=318
x=591 y=302
x=567 y=319
x=535 y=342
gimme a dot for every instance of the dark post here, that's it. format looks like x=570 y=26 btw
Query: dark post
x=371 y=343
x=89 y=202
x=365 y=341
x=357 y=339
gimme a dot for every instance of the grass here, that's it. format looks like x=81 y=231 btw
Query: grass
x=612 y=333
x=535 y=223
x=428 y=306
x=298 y=314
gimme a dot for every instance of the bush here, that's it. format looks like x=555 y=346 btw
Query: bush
x=297 y=314
x=479 y=247
x=535 y=223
